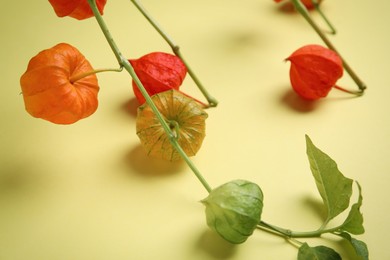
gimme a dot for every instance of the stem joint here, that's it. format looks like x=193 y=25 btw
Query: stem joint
x=176 y=49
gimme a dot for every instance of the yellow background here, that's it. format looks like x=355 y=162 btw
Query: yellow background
x=87 y=190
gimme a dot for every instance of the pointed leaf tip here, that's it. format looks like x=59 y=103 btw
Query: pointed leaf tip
x=334 y=188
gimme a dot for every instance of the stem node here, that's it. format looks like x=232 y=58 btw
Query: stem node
x=129 y=68
x=176 y=49
x=304 y=12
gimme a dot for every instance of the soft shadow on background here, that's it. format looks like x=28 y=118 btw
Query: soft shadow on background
x=130 y=107
x=287 y=8
x=215 y=246
x=315 y=206
x=299 y=104
x=295 y=102
x=238 y=42
x=141 y=163
x=17 y=178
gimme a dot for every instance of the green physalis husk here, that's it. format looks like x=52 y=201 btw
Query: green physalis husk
x=234 y=209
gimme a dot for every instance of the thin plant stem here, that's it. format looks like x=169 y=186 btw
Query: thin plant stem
x=280 y=232
x=303 y=11
x=176 y=49
x=357 y=93
x=324 y=17
x=294 y=234
x=123 y=62
x=295 y=242
x=92 y=72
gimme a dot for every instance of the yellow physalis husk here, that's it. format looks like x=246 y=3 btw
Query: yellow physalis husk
x=185 y=117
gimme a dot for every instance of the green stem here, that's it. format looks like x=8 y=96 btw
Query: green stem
x=126 y=64
x=295 y=242
x=92 y=72
x=324 y=17
x=286 y=234
x=120 y=58
x=176 y=49
x=357 y=93
x=303 y=11
x=293 y=234
x=175 y=125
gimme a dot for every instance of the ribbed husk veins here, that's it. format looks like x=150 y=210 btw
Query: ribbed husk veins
x=48 y=92
x=234 y=210
x=78 y=9
x=158 y=72
x=185 y=117
x=314 y=71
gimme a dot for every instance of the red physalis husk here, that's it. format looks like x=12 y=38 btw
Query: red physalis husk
x=48 y=91
x=308 y=3
x=158 y=72
x=78 y=9
x=184 y=116
x=314 y=71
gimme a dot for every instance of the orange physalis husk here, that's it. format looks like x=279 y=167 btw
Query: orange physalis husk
x=314 y=71
x=78 y=9
x=47 y=88
x=184 y=116
x=158 y=72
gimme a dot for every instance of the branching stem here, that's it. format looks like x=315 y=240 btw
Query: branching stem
x=303 y=11
x=324 y=17
x=286 y=233
x=176 y=49
x=123 y=62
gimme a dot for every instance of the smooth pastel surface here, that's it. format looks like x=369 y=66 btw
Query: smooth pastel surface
x=87 y=190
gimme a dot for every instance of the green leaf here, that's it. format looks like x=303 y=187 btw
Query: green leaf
x=334 y=188
x=360 y=247
x=306 y=252
x=354 y=222
x=234 y=209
